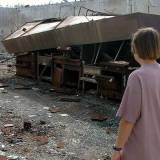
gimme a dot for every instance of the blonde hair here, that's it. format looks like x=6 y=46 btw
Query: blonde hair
x=146 y=43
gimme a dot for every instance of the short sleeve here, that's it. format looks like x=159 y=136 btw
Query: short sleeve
x=130 y=107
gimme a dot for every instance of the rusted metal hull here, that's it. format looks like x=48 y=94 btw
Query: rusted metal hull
x=111 y=80
x=102 y=30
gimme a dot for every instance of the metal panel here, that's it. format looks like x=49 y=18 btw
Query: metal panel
x=24 y=29
x=73 y=20
x=44 y=27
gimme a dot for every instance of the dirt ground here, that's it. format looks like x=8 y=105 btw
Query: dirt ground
x=38 y=122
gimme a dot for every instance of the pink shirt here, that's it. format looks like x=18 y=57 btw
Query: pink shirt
x=141 y=105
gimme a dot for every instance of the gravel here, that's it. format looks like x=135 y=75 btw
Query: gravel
x=72 y=135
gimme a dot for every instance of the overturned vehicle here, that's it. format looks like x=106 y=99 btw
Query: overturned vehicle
x=82 y=52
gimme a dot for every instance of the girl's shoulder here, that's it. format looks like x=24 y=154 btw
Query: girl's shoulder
x=135 y=74
x=136 y=77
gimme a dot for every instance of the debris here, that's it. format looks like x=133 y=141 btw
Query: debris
x=2 y=153
x=54 y=109
x=13 y=157
x=9 y=65
x=70 y=99
x=2 y=90
x=30 y=124
x=108 y=130
x=32 y=115
x=35 y=89
x=7 y=131
x=46 y=108
x=60 y=144
x=27 y=125
x=42 y=140
x=26 y=150
x=49 y=115
x=52 y=90
x=15 y=140
x=64 y=115
x=8 y=125
x=9 y=112
x=95 y=116
x=16 y=97
x=2 y=85
x=64 y=91
x=2 y=147
x=42 y=122
x=106 y=157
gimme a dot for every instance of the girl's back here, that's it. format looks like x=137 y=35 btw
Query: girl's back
x=139 y=128
x=144 y=102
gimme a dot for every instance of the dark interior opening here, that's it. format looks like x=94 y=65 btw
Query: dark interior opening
x=108 y=52
x=47 y=72
x=70 y=78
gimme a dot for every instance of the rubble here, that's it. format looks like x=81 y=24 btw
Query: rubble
x=2 y=147
x=64 y=115
x=54 y=109
x=8 y=125
x=95 y=116
x=42 y=140
x=36 y=125
x=42 y=122
x=2 y=90
x=15 y=140
x=60 y=144
x=7 y=130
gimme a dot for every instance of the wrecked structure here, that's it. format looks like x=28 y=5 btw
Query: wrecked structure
x=80 y=50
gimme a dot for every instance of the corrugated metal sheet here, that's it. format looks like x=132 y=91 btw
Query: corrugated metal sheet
x=80 y=30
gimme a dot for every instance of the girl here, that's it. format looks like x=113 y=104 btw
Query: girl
x=139 y=128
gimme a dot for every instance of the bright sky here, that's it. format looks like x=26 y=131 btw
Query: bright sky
x=27 y=2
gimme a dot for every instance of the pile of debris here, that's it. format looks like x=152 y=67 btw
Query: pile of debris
x=39 y=122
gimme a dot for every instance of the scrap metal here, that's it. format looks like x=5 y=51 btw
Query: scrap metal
x=56 y=36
